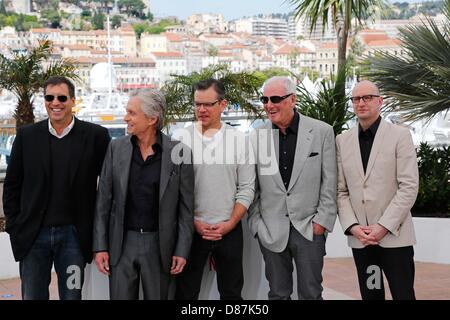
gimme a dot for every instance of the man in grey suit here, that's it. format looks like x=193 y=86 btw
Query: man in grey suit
x=143 y=223
x=296 y=203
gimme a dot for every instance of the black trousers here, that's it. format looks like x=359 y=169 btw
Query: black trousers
x=227 y=255
x=397 y=264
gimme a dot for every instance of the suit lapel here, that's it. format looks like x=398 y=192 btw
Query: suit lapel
x=302 y=150
x=356 y=151
x=376 y=147
x=275 y=143
x=77 y=149
x=166 y=164
x=124 y=155
x=44 y=147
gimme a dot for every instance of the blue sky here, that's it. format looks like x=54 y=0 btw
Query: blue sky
x=231 y=9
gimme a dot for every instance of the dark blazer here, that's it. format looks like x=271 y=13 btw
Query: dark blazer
x=26 y=189
x=176 y=201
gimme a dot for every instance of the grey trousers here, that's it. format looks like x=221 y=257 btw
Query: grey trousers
x=308 y=258
x=140 y=263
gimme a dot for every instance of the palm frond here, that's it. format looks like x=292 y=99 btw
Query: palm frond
x=25 y=73
x=418 y=83
x=329 y=104
x=240 y=88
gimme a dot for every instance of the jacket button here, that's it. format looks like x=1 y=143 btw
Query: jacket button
x=363 y=201
x=288 y=194
x=287 y=215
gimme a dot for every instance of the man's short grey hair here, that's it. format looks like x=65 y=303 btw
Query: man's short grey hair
x=288 y=84
x=153 y=103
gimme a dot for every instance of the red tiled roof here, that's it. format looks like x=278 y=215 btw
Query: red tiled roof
x=287 y=49
x=172 y=54
x=173 y=37
x=384 y=43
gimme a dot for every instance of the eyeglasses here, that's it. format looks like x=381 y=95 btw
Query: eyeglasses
x=274 y=99
x=205 y=104
x=366 y=98
x=50 y=98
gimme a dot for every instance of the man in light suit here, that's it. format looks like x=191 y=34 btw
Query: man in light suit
x=143 y=223
x=296 y=204
x=377 y=186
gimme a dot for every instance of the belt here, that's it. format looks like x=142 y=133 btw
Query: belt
x=141 y=230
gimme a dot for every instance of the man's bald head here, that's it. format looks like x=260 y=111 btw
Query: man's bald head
x=366 y=84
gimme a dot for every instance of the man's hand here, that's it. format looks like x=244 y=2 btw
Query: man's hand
x=207 y=231
x=224 y=227
x=178 y=264
x=376 y=231
x=102 y=262
x=318 y=230
x=360 y=233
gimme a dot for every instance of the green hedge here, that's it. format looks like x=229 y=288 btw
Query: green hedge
x=433 y=199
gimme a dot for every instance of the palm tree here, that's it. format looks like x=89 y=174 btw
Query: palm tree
x=24 y=74
x=342 y=13
x=418 y=82
x=241 y=88
x=329 y=104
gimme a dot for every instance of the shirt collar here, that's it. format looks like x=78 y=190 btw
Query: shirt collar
x=64 y=133
x=372 y=129
x=157 y=146
x=293 y=126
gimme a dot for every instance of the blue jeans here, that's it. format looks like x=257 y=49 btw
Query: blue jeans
x=58 y=246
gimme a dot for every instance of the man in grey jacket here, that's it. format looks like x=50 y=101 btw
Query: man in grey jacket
x=144 y=215
x=296 y=202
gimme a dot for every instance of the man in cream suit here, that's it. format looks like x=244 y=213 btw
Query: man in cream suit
x=296 y=205
x=377 y=186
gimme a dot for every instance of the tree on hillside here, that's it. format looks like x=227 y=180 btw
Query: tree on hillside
x=24 y=75
x=53 y=18
x=139 y=29
x=98 y=21
x=116 y=21
x=2 y=7
x=132 y=7
x=104 y=4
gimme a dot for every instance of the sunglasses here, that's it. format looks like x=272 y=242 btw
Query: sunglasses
x=274 y=99
x=50 y=98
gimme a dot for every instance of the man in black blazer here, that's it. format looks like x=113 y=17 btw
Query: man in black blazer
x=49 y=195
